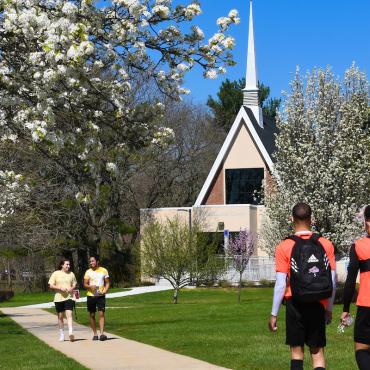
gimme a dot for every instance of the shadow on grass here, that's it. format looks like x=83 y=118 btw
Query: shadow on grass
x=12 y=332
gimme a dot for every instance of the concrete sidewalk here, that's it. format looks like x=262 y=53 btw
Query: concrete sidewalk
x=116 y=353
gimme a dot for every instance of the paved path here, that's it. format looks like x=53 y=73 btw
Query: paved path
x=132 y=291
x=116 y=353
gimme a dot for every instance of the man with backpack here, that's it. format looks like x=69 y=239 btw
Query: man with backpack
x=360 y=260
x=305 y=279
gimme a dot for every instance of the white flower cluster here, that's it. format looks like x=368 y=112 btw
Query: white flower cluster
x=111 y=167
x=13 y=191
x=163 y=136
x=161 y=10
x=198 y=32
x=192 y=11
x=224 y=22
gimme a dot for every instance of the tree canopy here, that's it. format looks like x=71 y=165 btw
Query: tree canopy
x=322 y=157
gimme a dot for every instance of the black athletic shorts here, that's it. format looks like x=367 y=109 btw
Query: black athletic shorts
x=64 y=305
x=305 y=324
x=362 y=325
x=96 y=302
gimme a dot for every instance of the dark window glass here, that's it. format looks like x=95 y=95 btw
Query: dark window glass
x=243 y=186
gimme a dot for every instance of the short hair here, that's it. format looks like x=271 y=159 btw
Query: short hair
x=62 y=262
x=301 y=212
x=367 y=213
x=96 y=256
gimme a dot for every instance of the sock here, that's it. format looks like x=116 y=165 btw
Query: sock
x=61 y=331
x=296 y=364
x=363 y=359
x=70 y=331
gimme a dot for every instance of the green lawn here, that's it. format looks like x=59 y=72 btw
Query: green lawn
x=21 y=350
x=23 y=299
x=208 y=324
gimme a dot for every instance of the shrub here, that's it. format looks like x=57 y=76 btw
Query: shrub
x=6 y=295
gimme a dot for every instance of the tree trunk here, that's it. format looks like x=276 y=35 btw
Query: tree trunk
x=9 y=277
x=240 y=286
x=175 y=295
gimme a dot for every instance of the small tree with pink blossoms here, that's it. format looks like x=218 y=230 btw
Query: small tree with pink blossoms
x=240 y=249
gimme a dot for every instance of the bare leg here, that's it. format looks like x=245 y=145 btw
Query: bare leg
x=318 y=357
x=297 y=356
x=61 y=326
x=101 y=321
x=61 y=320
x=297 y=353
x=93 y=323
x=362 y=356
x=70 y=325
x=359 y=346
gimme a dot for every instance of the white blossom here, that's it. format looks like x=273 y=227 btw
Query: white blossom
x=111 y=167
x=69 y=8
x=161 y=10
x=192 y=10
x=211 y=74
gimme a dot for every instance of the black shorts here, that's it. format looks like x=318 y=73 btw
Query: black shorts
x=64 y=305
x=96 y=302
x=305 y=324
x=362 y=325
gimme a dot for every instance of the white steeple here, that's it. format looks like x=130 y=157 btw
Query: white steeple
x=250 y=92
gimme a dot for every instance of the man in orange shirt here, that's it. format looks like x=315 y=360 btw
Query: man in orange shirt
x=305 y=321
x=360 y=260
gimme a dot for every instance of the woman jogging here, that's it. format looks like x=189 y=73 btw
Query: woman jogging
x=63 y=281
x=360 y=260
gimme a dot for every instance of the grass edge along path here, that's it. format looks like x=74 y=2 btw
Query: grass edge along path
x=21 y=350
x=209 y=325
x=25 y=299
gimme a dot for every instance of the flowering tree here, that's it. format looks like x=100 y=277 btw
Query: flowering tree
x=178 y=254
x=71 y=77
x=322 y=157
x=240 y=248
x=12 y=193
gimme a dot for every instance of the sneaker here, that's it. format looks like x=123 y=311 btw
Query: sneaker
x=61 y=338
x=103 y=337
x=95 y=337
x=71 y=337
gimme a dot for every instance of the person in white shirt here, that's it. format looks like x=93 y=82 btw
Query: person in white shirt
x=63 y=282
x=96 y=281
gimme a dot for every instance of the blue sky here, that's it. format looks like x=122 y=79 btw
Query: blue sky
x=289 y=33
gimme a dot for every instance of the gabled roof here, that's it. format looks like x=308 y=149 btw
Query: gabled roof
x=263 y=138
x=266 y=134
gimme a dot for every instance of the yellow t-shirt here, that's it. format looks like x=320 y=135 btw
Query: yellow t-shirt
x=96 y=277
x=63 y=280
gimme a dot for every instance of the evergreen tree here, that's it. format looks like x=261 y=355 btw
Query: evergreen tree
x=230 y=99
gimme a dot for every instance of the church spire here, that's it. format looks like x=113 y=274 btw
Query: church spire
x=250 y=92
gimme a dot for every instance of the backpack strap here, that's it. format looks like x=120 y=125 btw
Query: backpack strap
x=294 y=237
x=364 y=265
x=315 y=236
